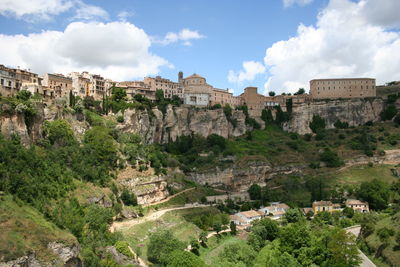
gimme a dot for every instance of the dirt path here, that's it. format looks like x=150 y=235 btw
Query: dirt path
x=366 y=262
x=142 y=263
x=116 y=226
x=189 y=247
x=169 y=198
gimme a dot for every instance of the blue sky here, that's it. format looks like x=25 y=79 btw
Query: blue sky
x=124 y=39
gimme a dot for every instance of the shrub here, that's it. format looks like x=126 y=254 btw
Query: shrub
x=331 y=158
x=341 y=125
x=123 y=248
x=388 y=113
x=317 y=124
x=120 y=119
x=128 y=198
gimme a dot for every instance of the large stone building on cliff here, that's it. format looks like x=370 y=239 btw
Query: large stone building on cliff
x=343 y=88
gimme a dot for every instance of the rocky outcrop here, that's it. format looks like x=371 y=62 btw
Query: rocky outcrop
x=353 y=111
x=69 y=256
x=100 y=200
x=391 y=157
x=120 y=258
x=156 y=127
x=147 y=186
x=240 y=177
x=66 y=256
x=14 y=123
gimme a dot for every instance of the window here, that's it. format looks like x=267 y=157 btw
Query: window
x=193 y=99
x=2 y=81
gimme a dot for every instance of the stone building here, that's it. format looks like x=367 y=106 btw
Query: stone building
x=81 y=85
x=137 y=87
x=60 y=84
x=169 y=87
x=8 y=82
x=343 y=88
x=196 y=99
x=255 y=102
x=357 y=205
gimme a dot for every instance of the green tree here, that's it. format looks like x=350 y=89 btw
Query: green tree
x=317 y=124
x=389 y=112
x=232 y=226
x=331 y=158
x=237 y=254
x=24 y=95
x=179 y=258
x=195 y=246
x=59 y=133
x=376 y=193
x=203 y=238
x=301 y=91
x=293 y=237
x=254 y=192
x=348 y=212
x=343 y=249
x=161 y=244
x=266 y=116
x=128 y=198
x=293 y=216
x=271 y=256
x=271 y=93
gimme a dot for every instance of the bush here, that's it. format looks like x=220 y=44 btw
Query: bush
x=161 y=245
x=120 y=119
x=331 y=158
x=388 y=113
x=123 y=248
x=341 y=125
x=317 y=124
x=128 y=198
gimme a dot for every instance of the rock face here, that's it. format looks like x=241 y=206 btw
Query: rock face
x=178 y=121
x=15 y=124
x=241 y=176
x=67 y=256
x=353 y=111
x=147 y=186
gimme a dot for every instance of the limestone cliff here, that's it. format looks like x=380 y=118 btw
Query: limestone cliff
x=177 y=121
x=353 y=111
x=239 y=177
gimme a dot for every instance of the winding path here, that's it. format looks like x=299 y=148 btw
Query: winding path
x=116 y=226
x=366 y=262
x=168 y=198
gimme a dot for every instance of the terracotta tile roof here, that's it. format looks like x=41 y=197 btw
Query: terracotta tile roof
x=322 y=203
x=355 y=202
x=251 y=213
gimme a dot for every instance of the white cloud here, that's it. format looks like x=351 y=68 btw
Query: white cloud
x=382 y=12
x=96 y=47
x=288 y=3
x=185 y=36
x=343 y=43
x=34 y=9
x=37 y=10
x=89 y=12
x=250 y=70
x=123 y=15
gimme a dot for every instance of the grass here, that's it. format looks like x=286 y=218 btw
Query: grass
x=24 y=230
x=391 y=254
x=359 y=174
x=215 y=246
x=138 y=235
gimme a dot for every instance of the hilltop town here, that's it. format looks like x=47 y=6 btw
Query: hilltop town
x=192 y=90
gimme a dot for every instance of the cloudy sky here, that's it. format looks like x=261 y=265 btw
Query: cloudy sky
x=276 y=45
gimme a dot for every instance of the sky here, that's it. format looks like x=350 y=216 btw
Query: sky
x=275 y=45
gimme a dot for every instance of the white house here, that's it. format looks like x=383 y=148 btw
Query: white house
x=196 y=99
x=246 y=217
x=276 y=210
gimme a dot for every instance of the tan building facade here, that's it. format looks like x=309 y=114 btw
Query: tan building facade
x=343 y=88
x=357 y=205
x=60 y=84
x=328 y=206
x=137 y=87
x=169 y=87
